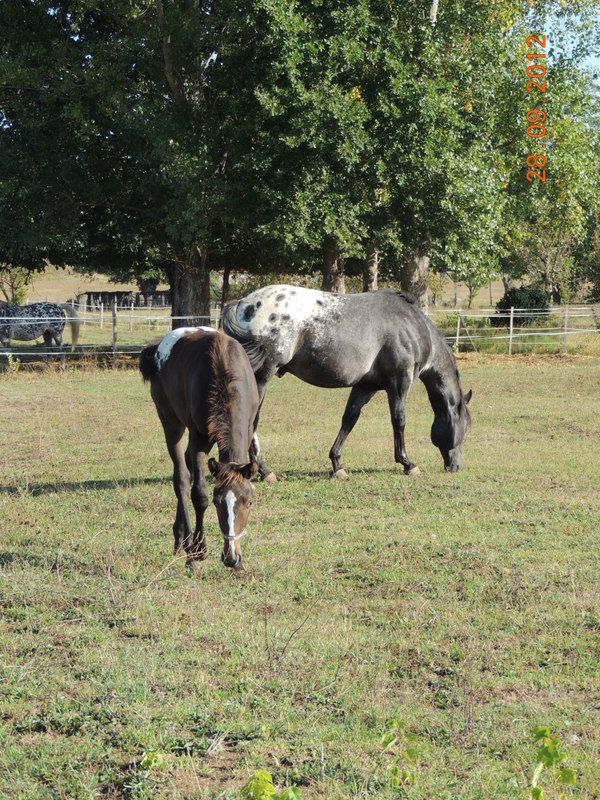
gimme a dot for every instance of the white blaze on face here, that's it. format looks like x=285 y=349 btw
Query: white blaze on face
x=230 y=505
x=163 y=350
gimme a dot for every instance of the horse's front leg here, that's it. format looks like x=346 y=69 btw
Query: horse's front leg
x=359 y=397
x=397 y=403
x=262 y=379
x=182 y=528
x=199 y=497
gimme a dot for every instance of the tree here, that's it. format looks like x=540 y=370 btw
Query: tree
x=181 y=137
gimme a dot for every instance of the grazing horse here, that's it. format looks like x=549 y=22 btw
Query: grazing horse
x=201 y=379
x=24 y=323
x=372 y=341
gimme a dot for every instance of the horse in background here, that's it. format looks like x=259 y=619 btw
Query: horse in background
x=201 y=379
x=25 y=323
x=370 y=342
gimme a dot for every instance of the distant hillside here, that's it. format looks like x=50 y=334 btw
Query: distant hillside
x=60 y=285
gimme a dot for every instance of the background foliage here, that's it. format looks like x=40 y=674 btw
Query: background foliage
x=158 y=138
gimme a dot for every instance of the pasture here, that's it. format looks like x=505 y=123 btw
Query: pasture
x=464 y=607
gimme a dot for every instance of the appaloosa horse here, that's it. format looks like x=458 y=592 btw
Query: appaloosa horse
x=25 y=323
x=201 y=379
x=372 y=341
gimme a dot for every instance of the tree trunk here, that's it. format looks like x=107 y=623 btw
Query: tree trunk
x=225 y=287
x=333 y=271
x=189 y=280
x=433 y=12
x=370 y=271
x=414 y=275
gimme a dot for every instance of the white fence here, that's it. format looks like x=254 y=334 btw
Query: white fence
x=125 y=330
x=473 y=329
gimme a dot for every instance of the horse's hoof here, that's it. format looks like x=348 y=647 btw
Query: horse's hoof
x=341 y=474
x=270 y=478
x=414 y=470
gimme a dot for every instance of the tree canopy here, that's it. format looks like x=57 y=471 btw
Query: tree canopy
x=178 y=136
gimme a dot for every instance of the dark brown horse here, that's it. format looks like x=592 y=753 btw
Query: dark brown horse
x=201 y=379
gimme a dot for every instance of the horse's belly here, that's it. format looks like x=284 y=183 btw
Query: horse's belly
x=329 y=370
x=26 y=333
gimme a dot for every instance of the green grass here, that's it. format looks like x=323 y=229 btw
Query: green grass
x=465 y=606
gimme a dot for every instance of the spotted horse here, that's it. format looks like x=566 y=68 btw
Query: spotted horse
x=25 y=323
x=370 y=342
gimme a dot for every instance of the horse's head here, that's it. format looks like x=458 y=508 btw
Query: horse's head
x=449 y=429
x=232 y=497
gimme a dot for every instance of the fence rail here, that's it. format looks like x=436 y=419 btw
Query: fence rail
x=124 y=330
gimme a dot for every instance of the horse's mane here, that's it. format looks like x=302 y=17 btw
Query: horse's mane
x=222 y=393
x=228 y=476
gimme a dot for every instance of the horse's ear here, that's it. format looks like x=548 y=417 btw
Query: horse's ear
x=213 y=466
x=468 y=396
x=249 y=470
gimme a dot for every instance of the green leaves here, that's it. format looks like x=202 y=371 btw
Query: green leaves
x=550 y=757
x=402 y=746
x=260 y=787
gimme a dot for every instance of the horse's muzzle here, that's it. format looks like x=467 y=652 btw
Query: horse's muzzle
x=452 y=459
x=232 y=560
x=452 y=467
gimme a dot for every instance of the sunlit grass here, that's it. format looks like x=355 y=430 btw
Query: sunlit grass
x=465 y=606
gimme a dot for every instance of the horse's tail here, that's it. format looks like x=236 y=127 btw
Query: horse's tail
x=73 y=321
x=148 y=366
x=253 y=345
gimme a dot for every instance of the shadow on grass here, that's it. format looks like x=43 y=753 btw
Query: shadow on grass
x=35 y=489
x=325 y=474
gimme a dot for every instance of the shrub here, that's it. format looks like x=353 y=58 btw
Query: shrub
x=523 y=297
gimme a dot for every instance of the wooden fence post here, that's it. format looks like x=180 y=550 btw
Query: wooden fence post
x=566 y=329
x=131 y=318
x=114 y=319
x=510 y=332
x=457 y=343
x=101 y=315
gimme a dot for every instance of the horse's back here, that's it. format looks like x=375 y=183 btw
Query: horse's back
x=185 y=367
x=331 y=340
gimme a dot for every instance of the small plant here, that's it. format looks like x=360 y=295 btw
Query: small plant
x=401 y=745
x=12 y=365
x=155 y=762
x=550 y=759
x=260 y=787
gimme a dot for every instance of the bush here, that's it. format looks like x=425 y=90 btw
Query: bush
x=523 y=297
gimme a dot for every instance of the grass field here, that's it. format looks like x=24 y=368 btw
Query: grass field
x=465 y=607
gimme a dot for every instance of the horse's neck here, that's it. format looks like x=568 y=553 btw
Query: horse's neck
x=441 y=379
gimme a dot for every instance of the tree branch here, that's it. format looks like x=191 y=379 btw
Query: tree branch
x=174 y=84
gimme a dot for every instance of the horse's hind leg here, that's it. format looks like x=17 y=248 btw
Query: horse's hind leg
x=397 y=402
x=57 y=337
x=359 y=397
